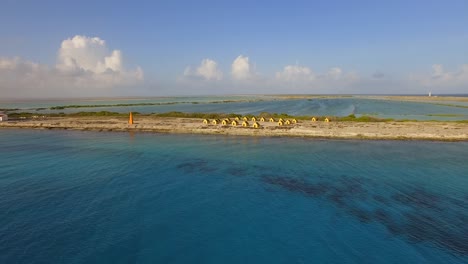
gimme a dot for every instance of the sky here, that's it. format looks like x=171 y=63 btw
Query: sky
x=160 y=48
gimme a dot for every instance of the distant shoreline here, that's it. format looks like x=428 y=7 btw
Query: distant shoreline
x=445 y=100
x=393 y=130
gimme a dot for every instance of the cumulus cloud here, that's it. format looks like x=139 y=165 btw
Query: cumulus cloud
x=305 y=75
x=335 y=73
x=296 y=78
x=295 y=73
x=241 y=69
x=442 y=78
x=84 y=67
x=208 y=70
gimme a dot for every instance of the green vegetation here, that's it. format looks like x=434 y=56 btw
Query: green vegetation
x=195 y=115
x=61 y=107
x=175 y=114
x=108 y=105
x=445 y=115
x=22 y=114
x=101 y=113
x=452 y=105
x=364 y=118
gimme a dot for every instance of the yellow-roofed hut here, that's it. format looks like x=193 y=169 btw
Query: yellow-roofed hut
x=281 y=123
x=245 y=124
x=215 y=121
x=234 y=123
x=206 y=121
x=314 y=119
x=327 y=120
x=262 y=119
x=254 y=119
x=256 y=125
x=272 y=120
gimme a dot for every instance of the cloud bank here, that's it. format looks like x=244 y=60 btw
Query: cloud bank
x=85 y=67
x=440 y=77
x=244 y=78
x=303 y=79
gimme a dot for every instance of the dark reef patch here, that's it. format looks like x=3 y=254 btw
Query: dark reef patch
x=296 y=185
x=196 y=165
x=362 y=215
x=418 y=215
x=237 y=171
x=417 y=198
x=380 y=199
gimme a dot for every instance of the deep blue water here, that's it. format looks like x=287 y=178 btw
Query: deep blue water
x=95 y=197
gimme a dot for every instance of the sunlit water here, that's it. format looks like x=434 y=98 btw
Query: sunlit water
x=91 y=197
x=258 y=104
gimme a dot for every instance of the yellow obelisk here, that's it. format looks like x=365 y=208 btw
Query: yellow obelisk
x=130 y=119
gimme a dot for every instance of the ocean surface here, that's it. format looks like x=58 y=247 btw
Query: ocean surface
x=338 y=106
x=108 y=197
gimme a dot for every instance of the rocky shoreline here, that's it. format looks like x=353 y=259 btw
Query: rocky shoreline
x=437 y=131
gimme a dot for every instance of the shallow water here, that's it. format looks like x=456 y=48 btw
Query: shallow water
x=95 y=197
x=258 y=104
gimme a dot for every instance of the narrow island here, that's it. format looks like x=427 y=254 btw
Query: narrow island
x=270 y=125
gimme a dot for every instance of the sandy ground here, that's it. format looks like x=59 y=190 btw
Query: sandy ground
x=444 y=131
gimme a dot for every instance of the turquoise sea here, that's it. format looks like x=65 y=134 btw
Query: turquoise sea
x=100 y=197
x=326 y=106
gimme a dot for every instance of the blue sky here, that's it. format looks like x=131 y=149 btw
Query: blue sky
x=409 y=46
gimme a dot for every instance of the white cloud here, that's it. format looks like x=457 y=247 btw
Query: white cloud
x=208 y=70
x=302 y=79
x=444 y=79
x=85 y=67
x=335 y=73
x=91 y=55
x=295 y=73
x=437 y=70
x=241 y=69
x=305 y=75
